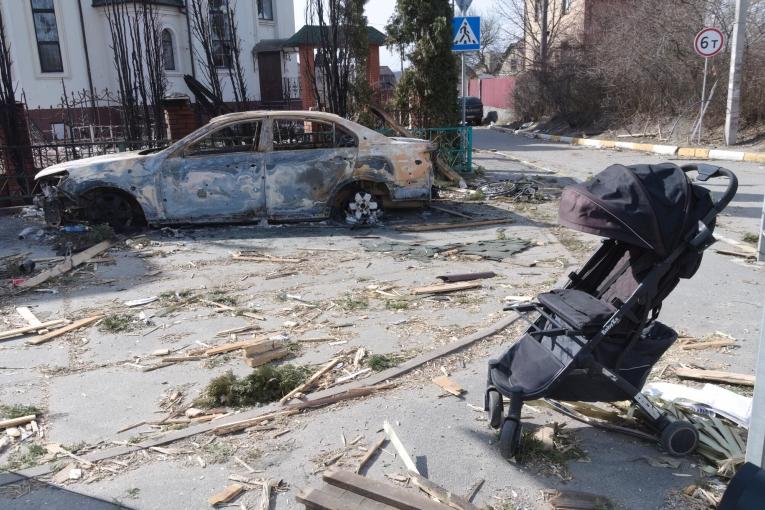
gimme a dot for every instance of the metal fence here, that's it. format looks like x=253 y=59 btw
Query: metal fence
x=455 y=144
x=19 y=186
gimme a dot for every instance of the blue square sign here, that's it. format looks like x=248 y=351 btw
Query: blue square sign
x=467 y=33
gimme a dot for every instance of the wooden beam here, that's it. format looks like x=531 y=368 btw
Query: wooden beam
x=370 y=453
x=715 y=375
x=447 y=497
x=31 y=329
x=448 y=385
x=400 y=448
x=66 y=329
x=235 y=346
x=385 y=493
x=467 y=277
x=446 y=287
x=28 y=316
x=311 y=380
x=15 y=422
x=266 y=357
x=226 y=494
x=428 y=227
x=329 y=497
x=66 y=265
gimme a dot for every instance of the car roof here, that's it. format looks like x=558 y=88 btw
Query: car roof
x=368 y=135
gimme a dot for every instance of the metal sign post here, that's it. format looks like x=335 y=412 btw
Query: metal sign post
x=466 y=37
x=708 y=43
x=755 y=438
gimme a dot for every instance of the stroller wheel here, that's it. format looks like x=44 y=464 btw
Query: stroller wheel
x=679 y=438
x=509 y=438
x=496 y=409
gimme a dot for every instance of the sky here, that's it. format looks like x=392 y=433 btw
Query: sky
x=378 y=12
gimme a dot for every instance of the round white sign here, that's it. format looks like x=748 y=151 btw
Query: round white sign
x=709 y=42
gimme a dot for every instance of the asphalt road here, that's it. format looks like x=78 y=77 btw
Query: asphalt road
x=96 y=394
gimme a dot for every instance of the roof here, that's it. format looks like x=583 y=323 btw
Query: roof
x=270 y=45
x=310 y=35
x=169 y=3
x=386 y=71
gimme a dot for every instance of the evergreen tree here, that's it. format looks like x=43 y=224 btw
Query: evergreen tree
x=429 y=87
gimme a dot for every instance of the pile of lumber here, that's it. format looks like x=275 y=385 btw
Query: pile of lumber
x=348 y=491
x=45 y=331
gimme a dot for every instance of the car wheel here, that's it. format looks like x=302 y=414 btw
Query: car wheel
x=363 y=208
x=113 y=209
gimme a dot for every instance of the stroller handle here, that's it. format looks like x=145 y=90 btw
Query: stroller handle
x=707 y=171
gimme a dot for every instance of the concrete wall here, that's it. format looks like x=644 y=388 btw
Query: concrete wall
x=44 y=90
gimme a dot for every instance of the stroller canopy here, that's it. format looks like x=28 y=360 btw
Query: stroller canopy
x=643 y=205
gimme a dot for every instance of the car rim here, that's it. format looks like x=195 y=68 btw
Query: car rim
x=363 y=209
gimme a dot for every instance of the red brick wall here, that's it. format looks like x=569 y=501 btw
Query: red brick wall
x=180 y=118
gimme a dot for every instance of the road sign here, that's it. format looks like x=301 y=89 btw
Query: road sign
x=464 y=5
x=467 y=33
x=709 y=42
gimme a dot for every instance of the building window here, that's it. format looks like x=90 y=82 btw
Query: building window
x=220 y=31
x=567 y=6
x=168 y=52
x=265 y=9
x=46 y=32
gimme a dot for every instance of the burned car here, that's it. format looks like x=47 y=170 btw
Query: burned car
x=241 y=167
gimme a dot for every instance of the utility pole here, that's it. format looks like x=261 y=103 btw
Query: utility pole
x=755 y=439
x=738 y=42
x=543 y=37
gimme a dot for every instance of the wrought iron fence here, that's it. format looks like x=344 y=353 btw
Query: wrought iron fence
x=455 y=144
x=18 y=185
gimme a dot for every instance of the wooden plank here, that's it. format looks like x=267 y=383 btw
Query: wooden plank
x=311 y=380
x=400 y=130
x=448 y=385
x=267 y=259
x=262 y=346
x=30 y=329
x=388 y=494
x=444 y=169
x=329 y=497
x=446 y=287
x=226 y=494
x=15 y=422
x=37 y=340
x=266 y=357
x=320 y=397
x=234 y=331
x=28 y=316
x=235 y=346
x=370 y=453
x=236 y=426
x=467 y=277
x=66 y=265
x=400 y=448
x=447 y=497
x=428 y=227
x=452 y=212
x=707 y=345
x=572 y=500
x=715 y=375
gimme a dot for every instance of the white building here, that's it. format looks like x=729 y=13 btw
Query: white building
x=67 y=43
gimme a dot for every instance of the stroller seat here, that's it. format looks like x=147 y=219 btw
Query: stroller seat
x=578 y=309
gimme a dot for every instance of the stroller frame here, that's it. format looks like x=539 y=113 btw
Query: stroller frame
x=676 y=437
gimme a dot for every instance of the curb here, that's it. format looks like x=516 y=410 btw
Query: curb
x=666 y=150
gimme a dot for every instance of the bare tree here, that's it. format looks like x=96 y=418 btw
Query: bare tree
x=540 y=23
x=493 y=42
x=235 y=69
x=137 y=56
x=331 y=75
x=219 y=48
x=203 y=33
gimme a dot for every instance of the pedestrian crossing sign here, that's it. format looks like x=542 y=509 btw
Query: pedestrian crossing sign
x=467 y=33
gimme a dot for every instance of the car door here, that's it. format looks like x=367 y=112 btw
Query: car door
x=308 y=158
x=217 y=177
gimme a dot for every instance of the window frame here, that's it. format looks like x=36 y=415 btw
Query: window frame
x=174 y=61
x=41 y=43
x=260 y=5
x=255 y=147
x=308 y=120
x=226 y=41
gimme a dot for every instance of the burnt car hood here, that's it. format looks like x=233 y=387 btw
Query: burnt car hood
x=69 y=166
x=400 y=140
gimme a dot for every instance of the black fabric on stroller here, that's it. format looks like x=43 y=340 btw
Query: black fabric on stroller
x=597 y=338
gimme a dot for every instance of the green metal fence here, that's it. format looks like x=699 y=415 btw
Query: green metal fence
x=455 y=144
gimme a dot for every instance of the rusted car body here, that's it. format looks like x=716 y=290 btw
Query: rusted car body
x=277 y=165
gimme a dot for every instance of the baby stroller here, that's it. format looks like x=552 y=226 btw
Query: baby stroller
x=596 y=339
